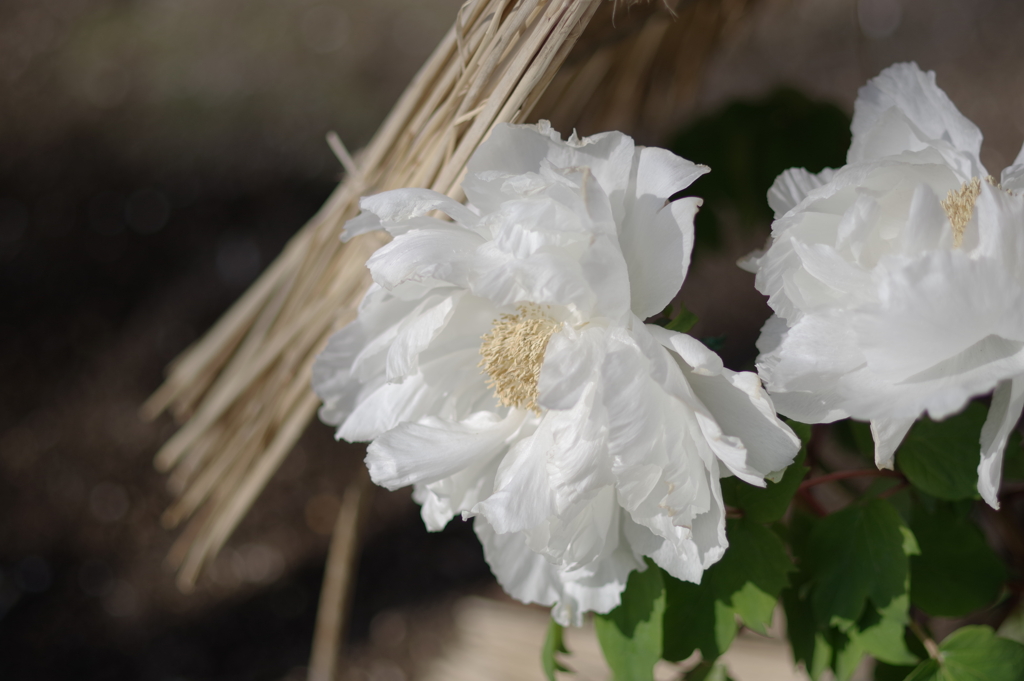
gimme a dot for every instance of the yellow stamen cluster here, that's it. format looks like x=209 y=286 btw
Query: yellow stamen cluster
x=513 y=353
x=959 y=206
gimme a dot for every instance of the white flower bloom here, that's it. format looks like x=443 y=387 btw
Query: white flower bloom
x=501 y=365
x=897 y=280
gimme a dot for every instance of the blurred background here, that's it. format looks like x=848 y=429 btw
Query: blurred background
x=155 y=155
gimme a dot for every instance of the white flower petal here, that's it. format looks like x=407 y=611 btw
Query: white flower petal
x=391 y=210
x=525 y=227
x=772 y=334
x=1012 y=177
x=604 y=270
x=448 y=379
x=1000 y=239
x=927 y=223
x=932 y=308
x=685 y=551
x=549 y=277
x=360 y=224
x=384 y=408
x=570 y=365
x=580 y=463
x=632 y=405
x=793 y=186
x=581 y=535
x=846 y=282
x=677 y=556
x=433 y=449
x=698 y=356
x=531 y=578
x=373 y=359
x=896 y=287
x=456 y=494
x=945 y=388
x=524 y=574
x=425 y=258
x=798 y=363
x=522 y=497
x=888 y=433
x=1003 y=414
x=743 y=410
x=709 y=528
x=518 y=149
x=808 y=406
x=471 y=319
x=659 y=175
x=914 y=93
x=414 y=337
x=657 y=236
x=621 y=459
x=331 y=374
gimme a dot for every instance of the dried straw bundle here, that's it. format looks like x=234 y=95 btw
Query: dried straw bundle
x=243 y=391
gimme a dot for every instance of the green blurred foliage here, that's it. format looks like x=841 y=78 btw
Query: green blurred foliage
x=974 y=653
x=708 y=671
x=554 y=643
x=850 y=597
x=769 y=503
x=745 y=583
x=941 y=457
x=631 y=634
x=857 y=554
x=956 y=572
x=846 y=580
x=748 y=144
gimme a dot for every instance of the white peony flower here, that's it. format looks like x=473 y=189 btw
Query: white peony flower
x=897 y=280
x=501 y=365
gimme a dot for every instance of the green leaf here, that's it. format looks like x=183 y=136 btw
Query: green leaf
x=857 y=568
x=746 y=582
x=855 y=436
x=682 y=322
x=890 y=672
x=768 y=504
x=714 y=343
x=708 y=671
x=974 y=653
x=1013 y=626
x=798 y=533
x=754 y=570
x=696 y=620
x=880 y=633
x=553 y=644
x=1013 y=458
x=941 y=458
x=956 y=572
x=811 y=645
x=749 y=144
x=857 y=554
x=877 y=634
x=929 y=670
x=631 y=634
x=848 y=654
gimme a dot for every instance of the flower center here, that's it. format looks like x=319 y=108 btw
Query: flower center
x=513 y=352
x=959 y=205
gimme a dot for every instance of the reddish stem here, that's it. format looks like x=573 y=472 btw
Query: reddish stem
x=816 y=508
x=843 y=475
x=894 y=490
x=1011 y=489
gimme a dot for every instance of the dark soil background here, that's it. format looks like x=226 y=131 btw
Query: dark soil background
x=154 y=157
